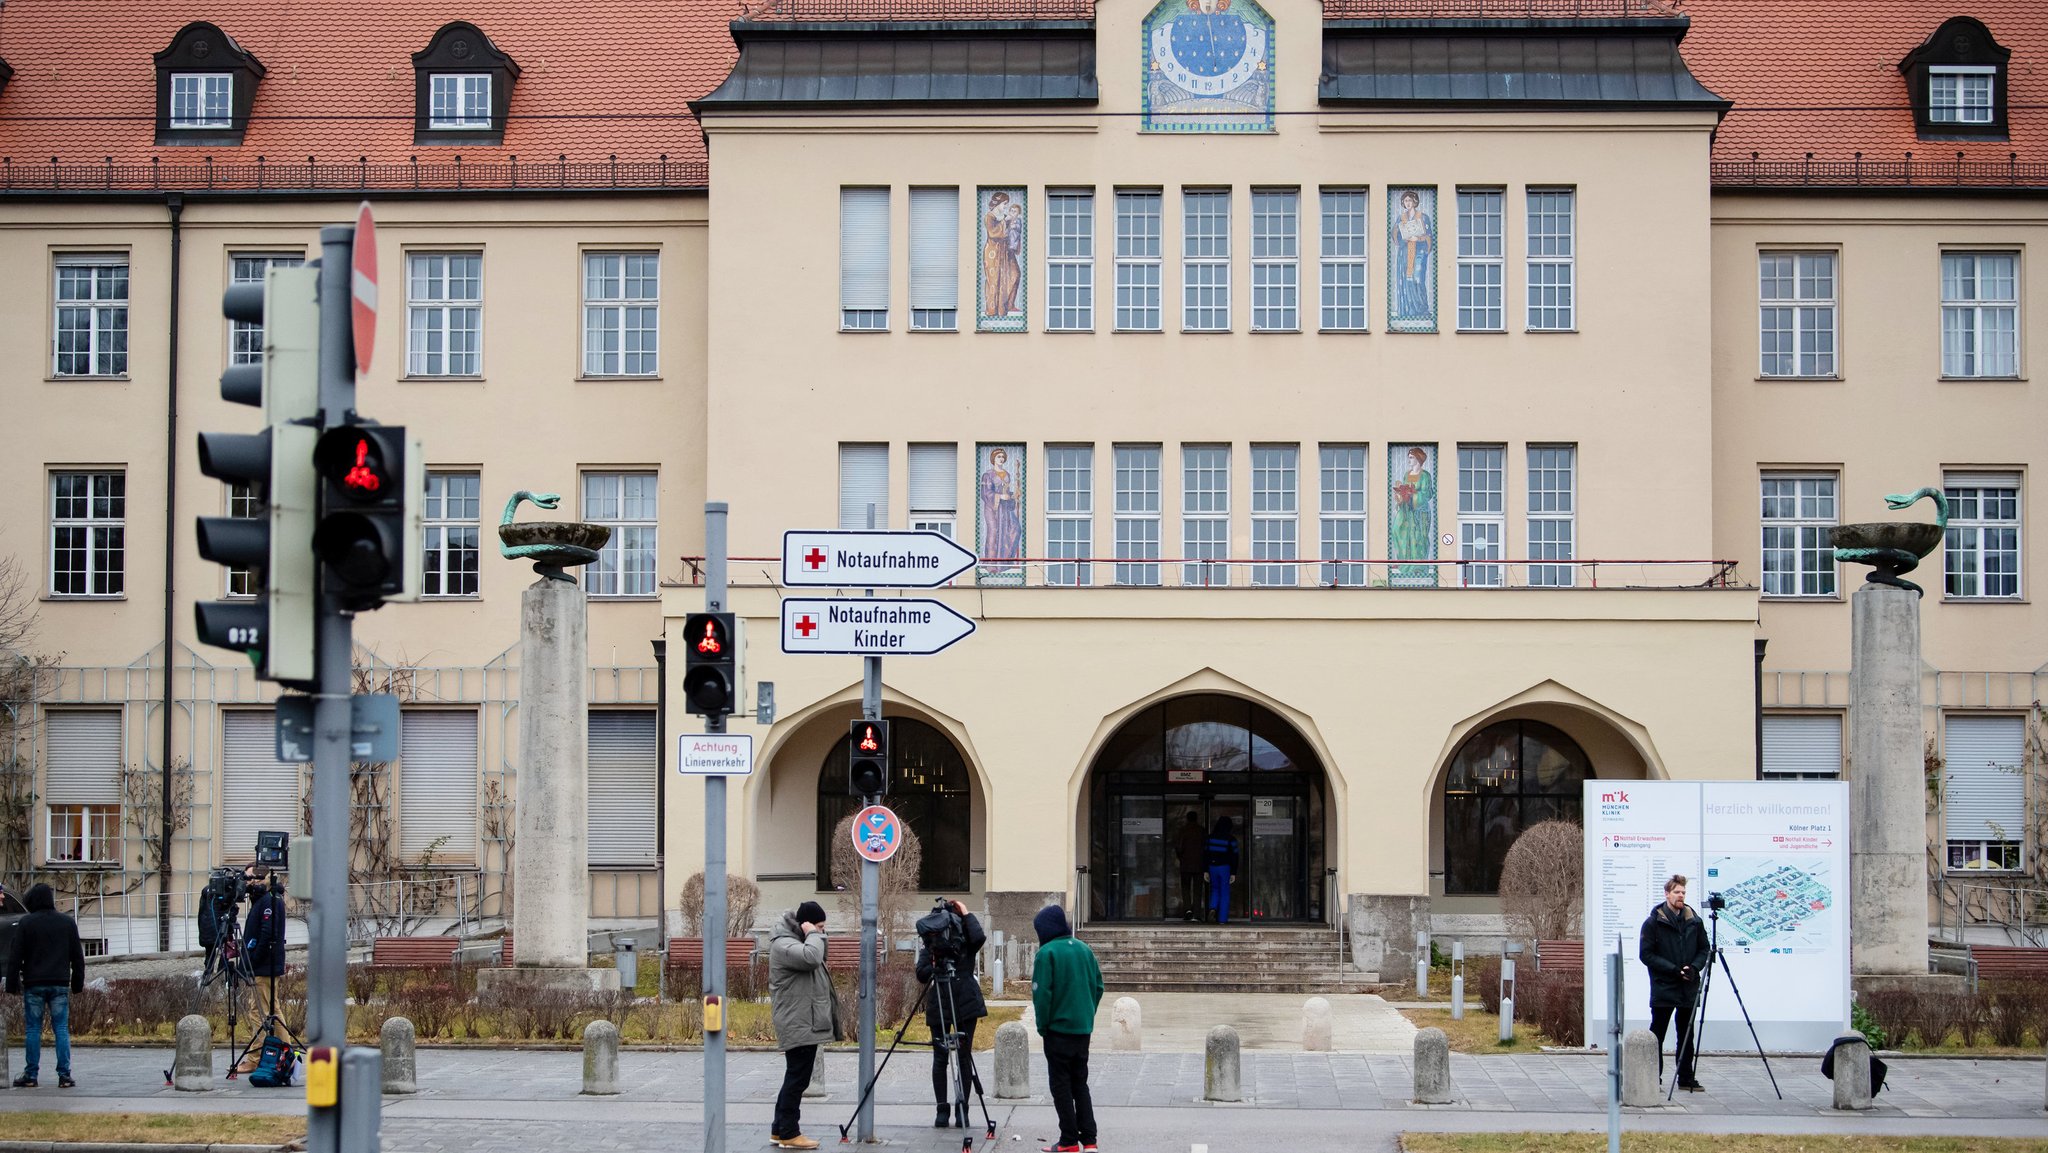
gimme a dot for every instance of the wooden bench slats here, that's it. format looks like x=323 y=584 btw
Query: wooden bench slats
x=1569 y=956
x=1995 y=961
x=413 y=952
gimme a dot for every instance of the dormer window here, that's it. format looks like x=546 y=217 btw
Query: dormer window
x=205 y=87
x=1960 y=95
x=201 y=100
x=462 y=88
x=459 y=101
x=1956 y=80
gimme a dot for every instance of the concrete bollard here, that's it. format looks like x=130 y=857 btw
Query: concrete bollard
x=1315 y=1026
x=1639 y=1068
x=817 y=1090
x=1126 y=1025
x=1852 y=1071
x=192 y=1067
x=1222 y=1074
x=1013 y=1061
x=401 y=1069
x=1432 y=1067
x=601 y=1059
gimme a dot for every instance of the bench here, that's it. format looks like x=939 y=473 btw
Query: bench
x=688 y=952
x=1567 y=956
x=505 y=952
x=413 y=952
x=2008 y=962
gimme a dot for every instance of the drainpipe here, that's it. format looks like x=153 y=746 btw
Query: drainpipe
x=1760 y=643
x=661 y=789
x=176 y=204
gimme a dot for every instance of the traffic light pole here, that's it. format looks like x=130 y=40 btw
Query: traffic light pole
x=870 y=908
x=714 y=857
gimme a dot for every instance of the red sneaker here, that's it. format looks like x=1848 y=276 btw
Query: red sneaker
x=1058 y=1148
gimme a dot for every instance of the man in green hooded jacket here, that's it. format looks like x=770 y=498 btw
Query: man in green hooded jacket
x=1066 y=987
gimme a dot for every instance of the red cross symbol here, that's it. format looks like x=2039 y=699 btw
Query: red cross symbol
x=814 y=559
x=806 y=625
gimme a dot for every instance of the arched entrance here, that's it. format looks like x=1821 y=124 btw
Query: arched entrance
x=929 y=788
x=1506 y=777
x=1205 y=757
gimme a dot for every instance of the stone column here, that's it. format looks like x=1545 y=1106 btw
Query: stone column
x=1887 y=799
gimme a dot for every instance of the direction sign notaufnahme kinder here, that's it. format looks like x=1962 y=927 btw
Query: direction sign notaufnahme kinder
x=870 y=627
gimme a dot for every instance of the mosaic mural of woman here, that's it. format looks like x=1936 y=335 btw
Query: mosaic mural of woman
x=1002 y=261
x=1411 y=520
x=999 y=515
x=1411 y=264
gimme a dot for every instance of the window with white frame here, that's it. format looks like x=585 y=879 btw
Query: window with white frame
x=624 y=791
x=621 y=313
x=437 y=779
x=1205 y=260
x=444 y=313
x=88 y=533
x=1980 y=314
x=1276 y=260
x=1981 y=555
x=1482 y=215
x=1070 y=513
x=1552 y=501
x=246 y=501
x=459 y=100
x=627 y=502
x=82 y=757
x=934 y=488
x=1276 y=522
x=1070 y=260
x=863 y=486
x=1802 y=746
x=864 y=259
x=1960 y=93
x=1138 y=232
x=1343 y=260
x=934 y=259
x=1796 y=313
x=1551 y=254
x=1342 y=499
x=452 y=511
x=1984 y=795
x=1205 y=514
x=245 y=338
x=1137 y=514
x=1482 y=513
x=92 y=315
x=202 y=99
x=1799 y=514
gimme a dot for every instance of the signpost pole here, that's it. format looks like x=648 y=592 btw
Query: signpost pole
x=870 y=902
x=1614 y=1015
x=714 y=857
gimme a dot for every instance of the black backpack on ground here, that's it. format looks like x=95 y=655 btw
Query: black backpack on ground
x=275 y=1066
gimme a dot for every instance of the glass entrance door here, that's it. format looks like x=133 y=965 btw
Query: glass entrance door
x=1274 y=852
x=1138 y=883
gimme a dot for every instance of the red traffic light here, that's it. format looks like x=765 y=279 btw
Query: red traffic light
x=358 y=464
x=709 y=642
x=361 y=477
x=868 y=743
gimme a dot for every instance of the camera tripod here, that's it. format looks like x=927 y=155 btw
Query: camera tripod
x=261 y=1031
x=947 y=1039
x=1700 y=1011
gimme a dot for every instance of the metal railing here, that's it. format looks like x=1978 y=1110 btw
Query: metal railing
x=264 y=174
x=896 y=11
x=1496 y=9
x=2014 y=908
x=1924 y=171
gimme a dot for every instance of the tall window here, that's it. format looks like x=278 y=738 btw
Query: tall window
x=1796 y=313
x=1960 y=94
x=1070 y=260
x=1343 y=260
x=1481 y=216
x=1205 y=513
x=1276 y=260
x=1799 y=514
x=87 y=533
x=1137 y=261
x=448 y=551
x=459 y=100
x=1505 y=778
x=1984 y=791
x=1205 y=261
x=934 y=487
x=201 y=99
x=1551 y=255
x=1070 y=512
x=444 y=313
x=1137 y=513
x=864 y=259
x=1276 y=524
x=934 y=259
x=1482 y=512
x=245 y=339
x=1980 y=314
x=621 y=313
x=245 y=500
x=1981 y=556
x=92 y=315
x=1343 y=513
x=863 y=486
x=1551 y=505
x=626 y=502
x=82 y=789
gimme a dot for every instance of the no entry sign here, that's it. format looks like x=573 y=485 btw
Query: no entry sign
x=362 y=279
x=877 y=833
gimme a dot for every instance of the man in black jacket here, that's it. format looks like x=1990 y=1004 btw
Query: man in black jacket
x=48 y=966
x=263 y=931
x=1674 y=949
x=962 y=997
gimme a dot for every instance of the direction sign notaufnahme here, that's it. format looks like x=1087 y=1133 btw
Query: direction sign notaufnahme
x=819 y=558
x=870 y=626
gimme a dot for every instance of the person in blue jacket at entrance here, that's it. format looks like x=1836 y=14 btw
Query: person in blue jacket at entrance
x=1222 y=858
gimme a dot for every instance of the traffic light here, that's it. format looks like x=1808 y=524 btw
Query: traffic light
x=867 y=764
x=372 y=487
x=711 y=664
x=276 y=629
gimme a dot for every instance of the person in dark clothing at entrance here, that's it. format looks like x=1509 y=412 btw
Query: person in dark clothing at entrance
x=962 y=996
x=1191 y=847
x=1221 y=855
x=804 y=1010
x=1066 y=989
x=47 y=967
x=1674 y=949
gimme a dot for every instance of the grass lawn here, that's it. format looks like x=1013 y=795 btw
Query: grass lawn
x=1707 y=1143
x=1479 y=1032
x=157 y=1128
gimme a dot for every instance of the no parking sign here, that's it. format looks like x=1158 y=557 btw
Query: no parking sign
x=877 y=833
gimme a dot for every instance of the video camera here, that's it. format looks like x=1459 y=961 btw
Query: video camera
x=1716 y=902
x=942 y=931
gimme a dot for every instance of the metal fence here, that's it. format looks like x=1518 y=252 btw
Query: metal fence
x=2013 y=908
x=1249 y=573
x=505 y=173
x=1924 y=171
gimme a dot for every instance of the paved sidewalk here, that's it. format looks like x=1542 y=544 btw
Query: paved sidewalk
x=1180 y=1022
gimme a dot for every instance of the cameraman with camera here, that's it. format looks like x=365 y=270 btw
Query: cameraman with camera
x=1674 y=949
x=263 y=932
x=952 y=938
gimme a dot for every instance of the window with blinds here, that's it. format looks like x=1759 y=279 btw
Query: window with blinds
x=1984 y=796
x=864 y=259
x=437 y=778
x=82 y=785
x=624 y=764
x=257 y=791
x=863 y=483
x=934 y=487
x=934 y=259
x=1803 y=747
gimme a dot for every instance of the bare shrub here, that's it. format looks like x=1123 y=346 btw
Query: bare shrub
x=1485 y=971
x=1543 y=881
x=742 y=901
x=1895 y=1010
x=2013 y=1008
x=898 y=904
x=1555 y=1002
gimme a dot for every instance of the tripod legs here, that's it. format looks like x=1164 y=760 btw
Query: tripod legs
x=1745 y=1020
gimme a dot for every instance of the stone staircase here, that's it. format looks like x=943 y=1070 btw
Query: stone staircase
x=1184 y=958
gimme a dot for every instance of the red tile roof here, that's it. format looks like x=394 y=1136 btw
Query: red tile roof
x=598 y=78
x=1824 y=78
